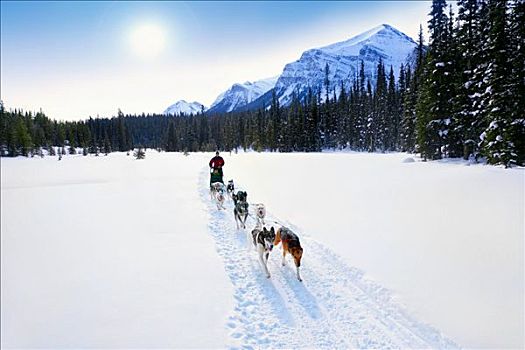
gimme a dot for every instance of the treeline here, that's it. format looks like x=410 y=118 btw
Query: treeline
x=471 y=87
x=462 y=97
x=25 y=133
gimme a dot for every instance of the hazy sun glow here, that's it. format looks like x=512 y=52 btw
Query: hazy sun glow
x=147 y=40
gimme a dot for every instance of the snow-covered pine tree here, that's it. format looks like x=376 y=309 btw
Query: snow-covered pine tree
x=23 y=138
x=106 y=144
x=412 y=82
x=273 y=127
x=392 y=113
x=378 y=125
x=344 y=119
x=479 y=80
x=434 y=110
x=401 y=92
x=123 y=142
x=139 y=153
x=454 y=138
x=468 y=60
x=93 y=148
x=496 y=144
x=361 y=104
x=171 y=142
x=516 y=132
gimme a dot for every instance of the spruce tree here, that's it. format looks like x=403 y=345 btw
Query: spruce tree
x=171 y=144
x=392 y=114
x=23 y=139
x=468 y=43
x=516 y=85
x=434 y=112
x=412 y=94
x=497 y=143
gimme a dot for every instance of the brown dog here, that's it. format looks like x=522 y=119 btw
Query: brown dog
x=291 y=245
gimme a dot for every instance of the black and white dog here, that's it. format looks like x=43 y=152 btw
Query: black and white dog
x=240 y=209
x=230 y=188
x=217 y=194
x=263 y=242
x=241 y=196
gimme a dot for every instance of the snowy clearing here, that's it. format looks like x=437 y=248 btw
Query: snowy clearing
x=113 y=252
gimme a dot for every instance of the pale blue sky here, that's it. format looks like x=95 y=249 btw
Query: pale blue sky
x=76 y=59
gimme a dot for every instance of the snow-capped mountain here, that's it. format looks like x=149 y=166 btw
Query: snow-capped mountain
x=343 y=59
x=184 y=107
x=240 y=95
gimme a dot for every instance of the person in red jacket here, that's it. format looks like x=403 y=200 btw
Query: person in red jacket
x=216 y=164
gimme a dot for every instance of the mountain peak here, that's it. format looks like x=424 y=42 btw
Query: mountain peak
x=344 y=58
x=381 y=35
x=389 y=28
x=241 y=94
x=183 y=107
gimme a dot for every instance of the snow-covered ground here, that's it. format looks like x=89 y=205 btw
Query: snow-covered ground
x=115 y=252
x=109 y=252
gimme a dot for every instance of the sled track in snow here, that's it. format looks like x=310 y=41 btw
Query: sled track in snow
x=334 y=306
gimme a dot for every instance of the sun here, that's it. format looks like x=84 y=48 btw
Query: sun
x=147 y=40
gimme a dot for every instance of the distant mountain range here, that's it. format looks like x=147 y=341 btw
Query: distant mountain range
x=183 y=107
x=343 y=58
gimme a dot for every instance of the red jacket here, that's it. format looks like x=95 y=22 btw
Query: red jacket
x=216 y=162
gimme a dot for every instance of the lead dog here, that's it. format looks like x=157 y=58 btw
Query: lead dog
x=263 y=242
x=217 y=194
x=291 y=245
x=260 y=211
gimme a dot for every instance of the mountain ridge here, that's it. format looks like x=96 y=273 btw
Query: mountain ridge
x=383 y=42
x=241 y=94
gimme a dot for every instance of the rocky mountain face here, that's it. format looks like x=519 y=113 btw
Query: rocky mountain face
x=240 y=95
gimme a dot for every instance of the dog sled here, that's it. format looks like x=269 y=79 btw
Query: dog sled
x=216 y=175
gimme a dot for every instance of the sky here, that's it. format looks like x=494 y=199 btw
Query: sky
x=75 y=59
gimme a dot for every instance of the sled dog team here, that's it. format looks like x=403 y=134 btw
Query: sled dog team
x=263 y=239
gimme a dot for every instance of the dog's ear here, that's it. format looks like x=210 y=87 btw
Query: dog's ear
x=272 y=231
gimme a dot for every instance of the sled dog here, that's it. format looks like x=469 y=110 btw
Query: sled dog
x=263 y=242
x=217 y=194
x=260 y=211
x=240 y=196
x=240 y=212
x=291 y=245
x=230 y=188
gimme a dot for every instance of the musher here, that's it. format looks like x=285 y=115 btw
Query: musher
x=216 y=164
